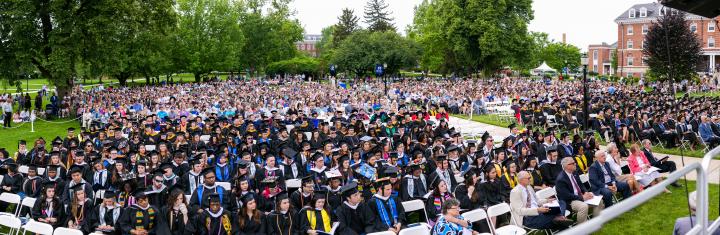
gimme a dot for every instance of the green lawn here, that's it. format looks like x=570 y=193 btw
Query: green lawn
x=658 y=215
x=488 y=119
x=42 y=129
x=699 y=94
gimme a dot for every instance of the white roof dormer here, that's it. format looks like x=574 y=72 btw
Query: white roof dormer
x=631 y=13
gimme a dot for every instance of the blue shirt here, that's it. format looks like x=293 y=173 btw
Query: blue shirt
x=442 y=227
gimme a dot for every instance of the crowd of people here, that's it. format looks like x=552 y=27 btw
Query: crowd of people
x=224 y=157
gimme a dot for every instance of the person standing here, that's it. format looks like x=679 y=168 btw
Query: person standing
x=7 y=110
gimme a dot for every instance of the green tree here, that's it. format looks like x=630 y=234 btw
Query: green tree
x=299 y=65
x=538 y=42
x=346 y=25
x=270 y=35
x=360 y=52
x=467 y=37
x=672 y=50
x=559 y=55
x=377 y=16
x=209 y=35
x=614 y=60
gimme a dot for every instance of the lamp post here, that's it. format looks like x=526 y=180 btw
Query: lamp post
x=584 y=61
x=385 y=78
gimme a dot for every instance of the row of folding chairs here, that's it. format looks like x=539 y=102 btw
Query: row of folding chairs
x=14 y=199
x=35 y=227
x=413 y=229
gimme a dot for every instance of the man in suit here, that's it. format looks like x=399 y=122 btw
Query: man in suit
x=529 y=211
x=664 y=165
x=572 y=193
x=707 y=134
x=603 y=182
x=665 y=132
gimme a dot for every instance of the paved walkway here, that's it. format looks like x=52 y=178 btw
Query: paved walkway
x=473 y=128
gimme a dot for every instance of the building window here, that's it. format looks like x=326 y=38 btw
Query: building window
x=711 y=42
x=595 y=68
x=644 y=59
x=630 y=30
x=642 y=45
x=643 y=12
x=631 y=14
x=693 y=27
x=595 y=55
x=644 y=29
x=630 y=61
x=630 y=44
x=711 y=26
x=661 y=11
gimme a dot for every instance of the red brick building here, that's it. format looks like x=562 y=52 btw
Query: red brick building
x=308 y=44
x=600 y=58
x=634 y=24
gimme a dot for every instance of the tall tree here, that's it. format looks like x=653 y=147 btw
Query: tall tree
x=346 y=25
x=210 y=36
x=360 y=52
x=270 y=34
x=377 y=16
x=559 y=55
x=671 y=48
x=472 y=36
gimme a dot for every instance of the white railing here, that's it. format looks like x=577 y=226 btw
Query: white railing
x=714 y=153
x=626 y=205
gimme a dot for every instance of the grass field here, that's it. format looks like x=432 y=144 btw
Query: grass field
x=658 y=215
x=43 y=129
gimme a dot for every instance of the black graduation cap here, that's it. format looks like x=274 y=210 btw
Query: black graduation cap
x=48 y=184
x=382 y=182
x=349 y=189
x=306 y=179
x=208 y=170
x=22 y=142
x=32 y=167
x=140 y=193
x=281 y=196
x=589 y=133
x=391 y=172
x=320 y=194
x=242 y=163
x=109 y=194
x=74 y=169
x=166 y=165
x=471 y=143
x=485 y=136
x=247 y=198
x=194 y=161
x=551 y=149
x=77 y=187
x=435 y=181
x=51 y=168
x=270 y=181
x=452 y=148
x=289 y=152
x=57 y=141
x=316 y=156
x=499 y=150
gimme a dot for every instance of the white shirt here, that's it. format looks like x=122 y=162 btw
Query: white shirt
x=614 y=166
x=572 y=179
x=533 y=203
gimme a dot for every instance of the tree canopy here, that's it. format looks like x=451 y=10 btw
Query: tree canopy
x=671 y=48
x=377 y=16
x=364 y=49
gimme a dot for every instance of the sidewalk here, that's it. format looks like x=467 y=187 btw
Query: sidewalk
x=498 y=133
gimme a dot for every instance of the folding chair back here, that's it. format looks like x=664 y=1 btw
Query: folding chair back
x=38 y=228
x=382 y=233
x=225 y=185
x=545 y=193
x=67 y=231
x=421 y=229
x=293 y=183
x=11 y=222
x=512 y=228
x=475 y=215
x=26 y=202
x=415 y=205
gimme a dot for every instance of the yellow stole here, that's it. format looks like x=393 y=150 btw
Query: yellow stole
x=581 y=162
x=511 y=180
x=325 y=217
x=498 y=170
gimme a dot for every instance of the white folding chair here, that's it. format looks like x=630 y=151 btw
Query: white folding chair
x=37 y=228
x=545 y=193
x=23 y=169
x=421 y=229
x=477 y=215
x=511 y=228
x=67 y=231
x=293 y=183
x=415 y=205
x=40 y=171
x=225 y=185
x=187 y=198
x=100 y=194
x=205 y=138
x=9 y=198
x=150 y=147
x=11 y=222
x=334 y=227
x=26 y=202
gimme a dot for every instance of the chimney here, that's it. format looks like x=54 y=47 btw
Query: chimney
x=563 y=38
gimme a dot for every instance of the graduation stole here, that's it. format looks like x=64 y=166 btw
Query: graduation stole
x=383 y=213
x=581 y=162
x=437 y=202
x=222 y=175
x=498 y=170
x=139 y=215
x=225 y=223
x=313 y=222
x=511 y=180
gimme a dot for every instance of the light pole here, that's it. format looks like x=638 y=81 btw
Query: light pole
x=385 y=78
x=586 y=115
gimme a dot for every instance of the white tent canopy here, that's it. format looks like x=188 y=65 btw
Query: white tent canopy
x=544 y=68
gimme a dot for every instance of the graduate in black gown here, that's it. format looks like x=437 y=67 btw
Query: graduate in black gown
x=413 y=185
x=76 y=178
x=193 y=178
x=174 y=215
x=250 y=220
x=48 y=208
x=158 y=192
x=198 y=200
x=282 y=220
x=105 y=216
x=212 y=221
x=302 y=196
x=53 y=178
x=316 y=217
x=490 y=191
x=79 y=210
x=384 y=212
x=349 y=214
x=33 y=183
x=333 y=197
x=140 y=218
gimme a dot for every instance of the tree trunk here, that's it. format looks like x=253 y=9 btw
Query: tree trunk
x=197 y=77
x=147 y=79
